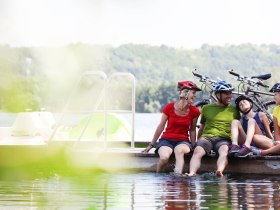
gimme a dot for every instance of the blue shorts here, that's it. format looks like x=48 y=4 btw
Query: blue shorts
x=172 y=144
x=212 y=143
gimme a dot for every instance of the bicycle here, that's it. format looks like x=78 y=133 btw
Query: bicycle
x=250 y=86
x=208 y=85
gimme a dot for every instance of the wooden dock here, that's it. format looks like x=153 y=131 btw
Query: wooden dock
x=88 y=156
x=249 y=165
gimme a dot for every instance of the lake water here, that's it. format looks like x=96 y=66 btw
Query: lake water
x=123 y=191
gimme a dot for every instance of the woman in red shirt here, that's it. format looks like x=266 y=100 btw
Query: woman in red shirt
x=179 y=136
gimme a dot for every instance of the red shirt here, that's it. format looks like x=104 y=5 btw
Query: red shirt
x=178 y=126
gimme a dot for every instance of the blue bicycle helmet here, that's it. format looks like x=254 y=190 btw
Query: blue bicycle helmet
x=275 y=88
x=223 y=86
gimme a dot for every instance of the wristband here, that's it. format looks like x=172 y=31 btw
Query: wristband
x=151 y=145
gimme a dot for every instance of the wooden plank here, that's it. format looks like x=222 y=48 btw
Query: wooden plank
x=249 y=165
x=90 y=157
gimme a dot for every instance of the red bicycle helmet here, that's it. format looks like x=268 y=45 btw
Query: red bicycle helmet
x=187 y=85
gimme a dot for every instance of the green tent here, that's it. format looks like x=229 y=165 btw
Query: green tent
x=117 y=128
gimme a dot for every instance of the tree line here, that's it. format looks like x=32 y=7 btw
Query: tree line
x=42 y=77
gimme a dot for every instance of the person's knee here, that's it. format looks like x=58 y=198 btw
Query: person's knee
x=164 y=157
x=199 y=151
x=181 y=150
x=223 y=150
x=235 y=122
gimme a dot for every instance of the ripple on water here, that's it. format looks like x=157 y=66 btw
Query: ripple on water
x=143 y=191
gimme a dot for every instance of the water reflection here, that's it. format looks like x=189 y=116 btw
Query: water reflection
x=255 y=193
x=182 y=193
x=142 y=191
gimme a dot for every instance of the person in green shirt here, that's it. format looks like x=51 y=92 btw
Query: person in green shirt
x=215 y=129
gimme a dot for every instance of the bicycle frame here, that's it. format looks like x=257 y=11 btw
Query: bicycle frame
x=248 y=85
x=255 y=95
x=207 y=85
x=260 y=105
x=245 y=84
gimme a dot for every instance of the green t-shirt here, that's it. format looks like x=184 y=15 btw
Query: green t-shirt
x=217 y=120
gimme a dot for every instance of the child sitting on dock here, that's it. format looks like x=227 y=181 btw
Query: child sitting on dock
x=242 y=132
x=179 y=135
x=275 y=148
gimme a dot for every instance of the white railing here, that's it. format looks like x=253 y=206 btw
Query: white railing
x=132 y=111
x=101 y=101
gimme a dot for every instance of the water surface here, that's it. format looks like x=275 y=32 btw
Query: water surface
x=142 y=191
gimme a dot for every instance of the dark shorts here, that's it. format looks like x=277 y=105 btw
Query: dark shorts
x=212 y=143
x=172 y=144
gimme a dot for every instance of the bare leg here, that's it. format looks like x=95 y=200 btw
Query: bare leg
x=262 y=141
x=222 y=160
x=238 y=135
x=180 y=151
x=250 y=132
x=234 y=131
x=164 y=153
x=275 y=150
x=195 y=162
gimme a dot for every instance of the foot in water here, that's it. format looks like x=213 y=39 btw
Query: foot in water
x=219 y=173
x=177 y=171
x=190 y=174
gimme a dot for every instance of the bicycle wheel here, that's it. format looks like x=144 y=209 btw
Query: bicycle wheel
x=200 y=104
x=269 y=105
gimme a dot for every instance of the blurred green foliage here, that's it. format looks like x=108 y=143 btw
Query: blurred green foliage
x=42 y=77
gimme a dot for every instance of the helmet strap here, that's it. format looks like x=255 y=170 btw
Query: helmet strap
x=221 y=101
x=187 y=94
x=248 y=110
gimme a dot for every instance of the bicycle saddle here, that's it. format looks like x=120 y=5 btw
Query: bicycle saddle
x=262 y=77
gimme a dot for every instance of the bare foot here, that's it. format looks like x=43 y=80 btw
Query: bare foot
x=219 y=173
x=190 y=174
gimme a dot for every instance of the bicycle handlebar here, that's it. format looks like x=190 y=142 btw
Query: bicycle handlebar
x=204 y=79
x=261 y=84
x=196 y=74
x=250 y=81
x=233 y=73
